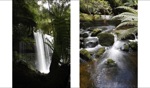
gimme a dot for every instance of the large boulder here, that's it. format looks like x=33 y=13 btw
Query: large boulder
x=95 y=32
x=106 y=39
x=85 y=55
x=100 y=52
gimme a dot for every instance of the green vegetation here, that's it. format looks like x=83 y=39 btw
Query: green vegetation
x=90 y=10
x=95 y=32
x=106 y=39
x=100 y=52
x=129 y=21
x=125 y=47
x=84 y=54
x=87 y=17
x=118 y=20
x=133 y=45
x=110 y=63
x=54 y=19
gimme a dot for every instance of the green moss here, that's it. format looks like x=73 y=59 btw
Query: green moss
x=96 y=31
x=84 y=54
x=87 y=17
x=133 y=45
x=100 y=52
x=110 y=61
x=106 y=39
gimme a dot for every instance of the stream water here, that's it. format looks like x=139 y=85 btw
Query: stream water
x=124 y=75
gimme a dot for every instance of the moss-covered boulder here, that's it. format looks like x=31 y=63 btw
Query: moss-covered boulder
x=100 y=52
x=133 y=45
x=106 y=39
x=125 y=47
x=110 y=63
x=85 y=55
x=95 y=32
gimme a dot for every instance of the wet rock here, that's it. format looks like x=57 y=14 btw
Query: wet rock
x=82 y=45
x=125 y=47
x=85 y=55
x=84 y=35
x=133 y=45
x=91 y=44
x=106 y=39
x=136 y=34
x=90 y=29
x=130 y=36
x=100 y=52
x=95 y=32
x=110 y=63
x=81 y=39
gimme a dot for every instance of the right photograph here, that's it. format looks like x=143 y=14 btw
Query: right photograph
x=108 y=43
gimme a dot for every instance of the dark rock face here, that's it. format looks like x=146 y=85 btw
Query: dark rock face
x=24 y=77
x=106 y=39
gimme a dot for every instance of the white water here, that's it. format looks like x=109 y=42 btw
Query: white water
x=43 y=52
x=123 y=75
x=116 y=77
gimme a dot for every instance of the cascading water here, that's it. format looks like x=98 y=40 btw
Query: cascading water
x=123 y=75
x=43 y=51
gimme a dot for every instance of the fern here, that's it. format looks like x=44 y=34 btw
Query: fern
x=125 y=25
x=127 y=9
x=129 y=21
x=124 y=33
x=60 y=20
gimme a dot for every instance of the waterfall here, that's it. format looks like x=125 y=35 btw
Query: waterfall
x=43 y=51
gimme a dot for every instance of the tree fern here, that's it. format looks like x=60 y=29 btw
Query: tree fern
x=59 y=13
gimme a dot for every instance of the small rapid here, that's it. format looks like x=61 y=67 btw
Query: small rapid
x=123 y=75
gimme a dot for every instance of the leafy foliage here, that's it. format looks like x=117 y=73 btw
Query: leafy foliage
x=129 y=21
x=24 y=15
x=59 y=13
x=95 y=7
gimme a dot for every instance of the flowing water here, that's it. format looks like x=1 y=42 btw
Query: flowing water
x=123 y=75
x=43 y=51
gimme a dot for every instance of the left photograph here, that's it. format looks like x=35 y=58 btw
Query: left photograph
x=41 y=44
